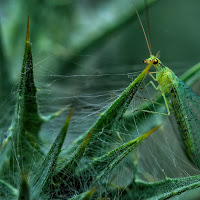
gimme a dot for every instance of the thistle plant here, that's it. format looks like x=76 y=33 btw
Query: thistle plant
x=88 y=167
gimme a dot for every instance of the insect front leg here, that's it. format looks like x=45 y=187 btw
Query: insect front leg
x=150 y=73
x=164 y=97
x=166 y=103
x=152 y=83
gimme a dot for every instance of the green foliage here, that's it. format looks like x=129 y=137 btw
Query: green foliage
x=86 y=168
x=22 y=141
x=43 y=175
x=163 y=189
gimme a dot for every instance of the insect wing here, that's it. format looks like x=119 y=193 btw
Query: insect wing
x=186 y=106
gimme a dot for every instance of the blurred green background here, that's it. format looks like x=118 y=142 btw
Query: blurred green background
x=90 y=36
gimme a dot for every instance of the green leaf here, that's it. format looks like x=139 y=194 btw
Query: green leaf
x=26 y=123
x=104 y=164
x=67 y=173
x=84 y=196
x=163 y=189
x=190 y=73
x=56 y=114
x=7 y=191
x=74 y=158
x=43 y=175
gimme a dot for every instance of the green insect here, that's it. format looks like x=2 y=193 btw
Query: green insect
x=164 y=77
x=184 y=101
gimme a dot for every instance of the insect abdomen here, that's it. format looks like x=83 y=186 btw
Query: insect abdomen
x=165 y=79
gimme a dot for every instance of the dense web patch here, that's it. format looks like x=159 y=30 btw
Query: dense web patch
x=90 y=98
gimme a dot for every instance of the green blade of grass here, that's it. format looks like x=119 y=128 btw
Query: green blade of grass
x=43 y=175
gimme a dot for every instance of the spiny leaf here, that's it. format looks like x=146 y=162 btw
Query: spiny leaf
x=163 y=189
x=74 y=158
x=44 y=173
x=7 y=191
x=26 y=122
x=111 y=117
x=67 y=174
x=104 y=164
x=27 y=108
x=24 y=189
x=84 y=196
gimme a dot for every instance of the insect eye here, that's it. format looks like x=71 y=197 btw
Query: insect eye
x=155 y=61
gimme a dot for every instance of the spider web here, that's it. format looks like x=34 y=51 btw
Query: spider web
x=161 y=155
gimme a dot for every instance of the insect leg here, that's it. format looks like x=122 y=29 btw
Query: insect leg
x=150 y=73
x=165 y=100
x=166 y=103
x=150 y=82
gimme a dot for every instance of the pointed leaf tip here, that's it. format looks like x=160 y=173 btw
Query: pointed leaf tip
x=28 y=32
x=142 y=137
x=69 y=116
x=88 y=136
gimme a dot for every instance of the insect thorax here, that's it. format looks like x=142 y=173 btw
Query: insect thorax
x=164 y=77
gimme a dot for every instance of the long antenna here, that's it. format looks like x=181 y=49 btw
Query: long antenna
x=147 y=21
x=143 y=30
